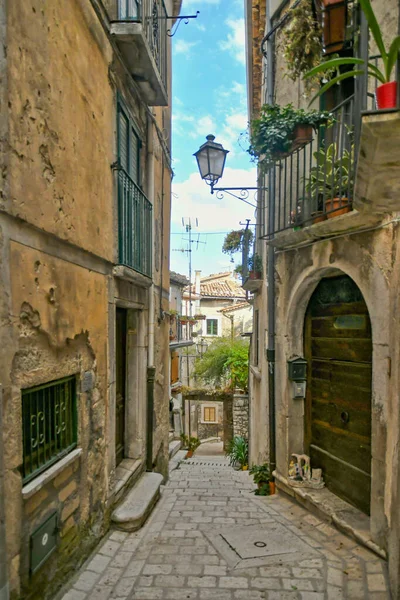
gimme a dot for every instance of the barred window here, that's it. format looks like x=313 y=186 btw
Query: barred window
x=49 y=424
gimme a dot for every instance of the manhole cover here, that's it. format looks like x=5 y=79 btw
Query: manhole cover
x=259 y=545
x=250 y=543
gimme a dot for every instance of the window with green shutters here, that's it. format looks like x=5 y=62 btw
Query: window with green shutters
x=212 y=326
x=49 y=424
x=134 y=209
x=128 y=145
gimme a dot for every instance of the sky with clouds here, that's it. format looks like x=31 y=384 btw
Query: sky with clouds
x=209 y=96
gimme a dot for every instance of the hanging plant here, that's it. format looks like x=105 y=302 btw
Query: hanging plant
x=233 y=241
x=301 y=43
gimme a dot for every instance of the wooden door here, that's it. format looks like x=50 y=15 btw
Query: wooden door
x=120 y=368
x=338 y=347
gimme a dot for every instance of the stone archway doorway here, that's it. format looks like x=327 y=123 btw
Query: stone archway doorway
x=338 y=348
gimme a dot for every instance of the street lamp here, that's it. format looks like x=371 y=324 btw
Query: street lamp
x=211 y=158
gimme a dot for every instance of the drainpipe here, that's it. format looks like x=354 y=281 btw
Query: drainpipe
x=150 y=350
x=271 y=272
x=4 y=590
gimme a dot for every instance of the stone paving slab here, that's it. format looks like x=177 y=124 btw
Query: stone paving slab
x=175 y=555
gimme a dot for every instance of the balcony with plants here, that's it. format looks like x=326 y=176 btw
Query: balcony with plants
x=140 y=30
x=310 y=157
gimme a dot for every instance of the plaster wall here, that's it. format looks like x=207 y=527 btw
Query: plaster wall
x=58 y=245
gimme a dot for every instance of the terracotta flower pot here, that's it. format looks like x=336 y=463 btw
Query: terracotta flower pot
x=271 y=488
x=386 y=95
x=302 y=135
x=336 y=206
x=334 y=18
x=318 y=216
x=189 y=454
x=254 y=275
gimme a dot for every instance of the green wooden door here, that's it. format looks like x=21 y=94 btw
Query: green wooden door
x=120 y=368
x=338 y=348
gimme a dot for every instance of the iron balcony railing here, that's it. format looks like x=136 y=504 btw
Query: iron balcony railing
x=316 y=181
x=153 y=16
x=134 y=225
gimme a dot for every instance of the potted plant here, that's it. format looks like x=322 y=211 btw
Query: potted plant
x=192 y=444
x=184 y=319
x=300 y=42
x=233 y=241
x=194 y=334
x=263 y=478
x=238 y=452
x=280 y=130
x=332 y=178
x=200 y=317
x=386 y=92
x=255 y=267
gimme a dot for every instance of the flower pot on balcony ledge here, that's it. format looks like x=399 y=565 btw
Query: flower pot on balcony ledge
x=318 y=216
x=386 y=95
x=254 y=275
x=336 y=206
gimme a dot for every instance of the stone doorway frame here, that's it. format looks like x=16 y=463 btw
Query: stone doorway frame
x=290 y=318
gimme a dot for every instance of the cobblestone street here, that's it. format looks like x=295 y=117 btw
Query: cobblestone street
x=210 y=538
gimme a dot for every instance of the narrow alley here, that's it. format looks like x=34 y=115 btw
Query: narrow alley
x=210 y=538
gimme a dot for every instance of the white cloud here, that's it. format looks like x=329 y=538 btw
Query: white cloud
x=235 y=42
x=192 y=198
x=183 y=47
x=200 y=126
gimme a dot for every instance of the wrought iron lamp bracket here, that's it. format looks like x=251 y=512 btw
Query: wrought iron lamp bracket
x=186 y=18
x=240 y=193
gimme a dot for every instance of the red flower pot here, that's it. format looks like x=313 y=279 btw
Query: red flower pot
x=386 y=95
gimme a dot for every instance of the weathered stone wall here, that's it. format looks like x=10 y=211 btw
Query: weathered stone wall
x=58 y=246
x=241 y=415
x=4 y=589
x=56 y=333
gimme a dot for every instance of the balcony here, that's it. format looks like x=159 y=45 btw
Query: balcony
x=134 y=226
x=140 y=30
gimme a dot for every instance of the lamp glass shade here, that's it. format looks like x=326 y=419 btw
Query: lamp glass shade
x=211 y=160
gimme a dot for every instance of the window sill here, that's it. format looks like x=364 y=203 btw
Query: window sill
x=41 y=480
x=124 y=272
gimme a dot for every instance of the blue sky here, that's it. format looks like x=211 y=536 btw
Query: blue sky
x=209 y=96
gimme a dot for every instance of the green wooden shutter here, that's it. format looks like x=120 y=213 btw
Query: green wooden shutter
x=134 y=157
x=123 y=140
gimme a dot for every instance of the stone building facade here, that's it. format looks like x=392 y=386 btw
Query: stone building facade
x=330 y=295
x=84 y=188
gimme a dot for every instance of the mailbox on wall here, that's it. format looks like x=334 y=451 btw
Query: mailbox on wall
x=297 y=372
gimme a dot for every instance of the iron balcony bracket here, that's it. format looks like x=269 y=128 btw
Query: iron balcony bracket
x=240 y=193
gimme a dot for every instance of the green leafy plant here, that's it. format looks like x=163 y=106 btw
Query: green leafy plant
x=261 y=473
x=389 y=58
x=301 y=43
x=193 y=444
x=255 y=263
x=184 y=440
x=273 y=132
x=233 y=241
x=225 y=364
x=263 y=490
x=332 y=176
x=238 y=451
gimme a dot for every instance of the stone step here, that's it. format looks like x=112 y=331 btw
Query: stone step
x=133 y=511
x=171 y=436
x=174 y=447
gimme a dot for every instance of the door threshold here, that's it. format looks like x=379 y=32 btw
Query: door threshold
x=345 y=517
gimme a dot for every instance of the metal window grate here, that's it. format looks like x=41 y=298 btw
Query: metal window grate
x=49 y=424
x=135 y=225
